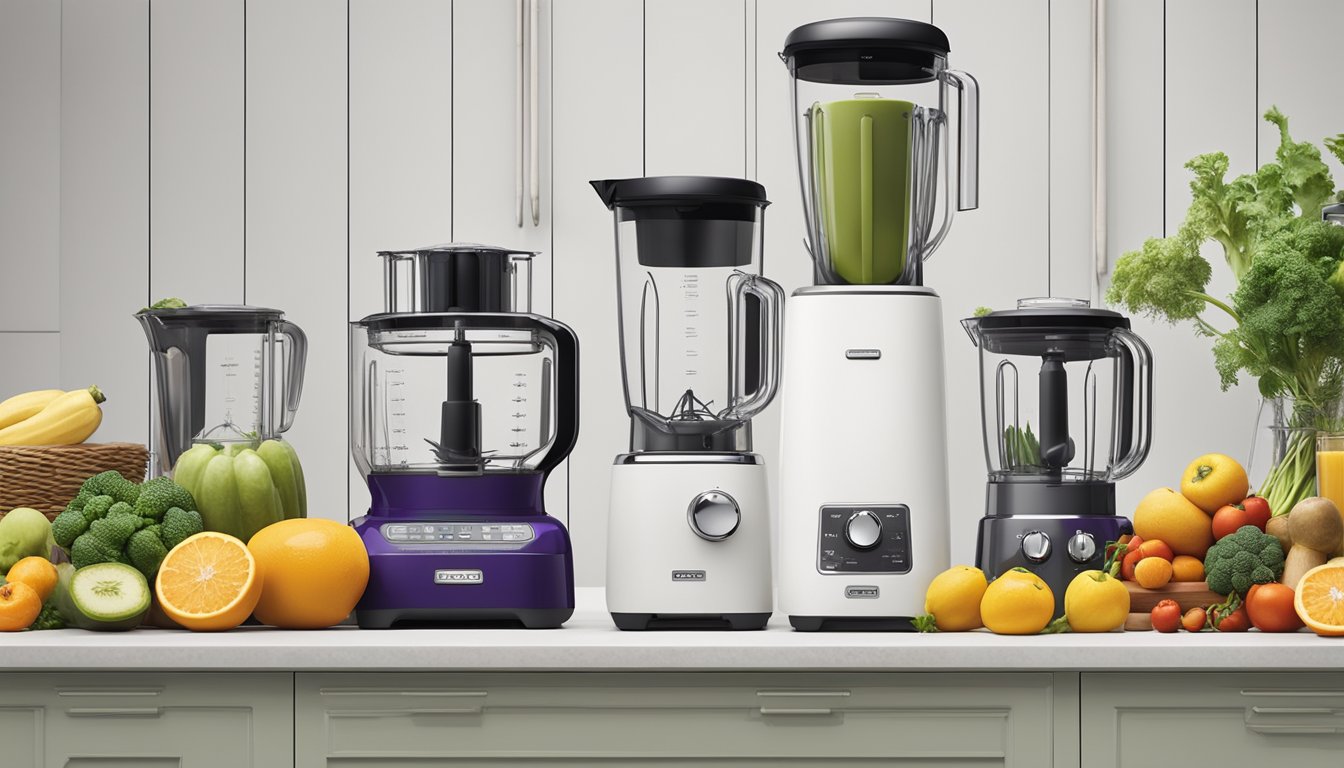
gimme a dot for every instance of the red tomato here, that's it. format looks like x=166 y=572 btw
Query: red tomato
x=1166 y=616
x=1156 y=548
x=1195 y=619
x=1127 y=565
x=1270 y=607
x=1229 y=621
x=1227 y=520
x=1257 y=511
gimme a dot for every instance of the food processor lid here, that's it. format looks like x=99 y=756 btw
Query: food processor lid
x=1068 y=329
x=1052 y=314
x=665 y=191
x=874 y=50
x=455 y=248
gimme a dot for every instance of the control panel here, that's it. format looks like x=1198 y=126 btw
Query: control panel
x=458 y=533
x=864 y=539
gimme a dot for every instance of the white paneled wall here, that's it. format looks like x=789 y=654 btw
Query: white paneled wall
x=228 y=151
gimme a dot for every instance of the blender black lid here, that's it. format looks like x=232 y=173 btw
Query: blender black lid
x=452 y=248
x=238 y=318
x=679 y=190
x=1053 y=318
x=876 y=50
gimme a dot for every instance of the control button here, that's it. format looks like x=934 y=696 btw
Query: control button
x=1082 y=547
x=713 y=515
x=863 y=530
x=1036 y=546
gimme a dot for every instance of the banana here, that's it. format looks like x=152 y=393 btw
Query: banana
x=67 y=420
x=20 y=407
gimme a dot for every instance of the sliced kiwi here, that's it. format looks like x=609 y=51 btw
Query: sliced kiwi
x=110 y=594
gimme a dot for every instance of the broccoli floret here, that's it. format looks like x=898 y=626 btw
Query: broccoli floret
x=49 y=618
x=159 y=495
x=97 y=508
x=104 y=542
x=146 y=550
x=122 y=509
x=1242 y=559
x=68 y=526
x=1164 y=280
x=178 y=525
x=109 y=483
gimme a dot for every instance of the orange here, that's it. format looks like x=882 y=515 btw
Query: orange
x=1167 y=515
x=1153 y=572
x=1187 y=568
x=1214 y=480
x=19 y=607
x=36 y=572
x=1320 y=599
x=316 y=571
x=209 y=582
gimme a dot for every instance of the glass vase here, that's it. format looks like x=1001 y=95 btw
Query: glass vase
x=1285 y=444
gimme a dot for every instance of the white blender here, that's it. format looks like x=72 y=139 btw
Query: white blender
x=688 y=544
x=863 y=485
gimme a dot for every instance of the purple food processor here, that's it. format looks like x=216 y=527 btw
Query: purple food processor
x=462 y=402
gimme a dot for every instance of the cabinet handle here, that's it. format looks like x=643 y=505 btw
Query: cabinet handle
x=1272 y=693
x=794 y=694
x=1278 y=720
x=413 y=712
x=534 y=165
x=72 y=692
x=113 y=711
x=424 y=692
x=519 y=98
x=771 y=711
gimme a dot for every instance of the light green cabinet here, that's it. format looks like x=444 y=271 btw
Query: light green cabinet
x=1156 y=720
x=119 y=720
x=361 y=720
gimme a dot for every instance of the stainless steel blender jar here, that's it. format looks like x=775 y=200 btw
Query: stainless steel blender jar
x=1066 y=401
x=688 y=542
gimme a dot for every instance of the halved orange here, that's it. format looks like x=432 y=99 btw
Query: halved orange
x=1320 y=599
x=209 y=582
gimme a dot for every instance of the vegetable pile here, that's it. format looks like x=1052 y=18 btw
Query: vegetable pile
x=1284 y=322
x=113 y=520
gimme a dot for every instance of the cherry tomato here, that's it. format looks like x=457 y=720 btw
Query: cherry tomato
x=1195 y=619
x=1257 y=511
x=1127 y=565
x=1166 y=616
x=1228 y=519
x=1229 y=617
x=1127 y=540
x=1270 y=608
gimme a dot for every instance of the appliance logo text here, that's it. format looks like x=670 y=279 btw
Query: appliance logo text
x=861 y=592
x=459 y=576
x=688 y=575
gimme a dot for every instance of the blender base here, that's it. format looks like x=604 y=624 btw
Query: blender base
x=1000 y=546
x=852 y=623
x=690 y=621
x=528 y=618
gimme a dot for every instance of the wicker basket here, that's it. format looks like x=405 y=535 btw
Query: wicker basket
x=47 y=477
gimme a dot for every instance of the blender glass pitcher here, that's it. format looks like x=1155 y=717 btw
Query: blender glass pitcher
x=221 y=373
x=700 y=327
x=1065 y=392
x=870 y=112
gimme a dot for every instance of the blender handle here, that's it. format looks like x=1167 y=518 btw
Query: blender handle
x=1135 y=406
x=968 y=138
x=771 y=296
x=297 y=358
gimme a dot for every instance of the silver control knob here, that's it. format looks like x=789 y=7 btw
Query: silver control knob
x=1036 y=546
x=713 y=515
x=1082 y=547
x=863 y=530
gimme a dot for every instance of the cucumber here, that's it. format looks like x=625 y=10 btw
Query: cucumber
x=104 y=597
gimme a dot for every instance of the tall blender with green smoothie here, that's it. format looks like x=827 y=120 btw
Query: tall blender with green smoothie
x=863 y=485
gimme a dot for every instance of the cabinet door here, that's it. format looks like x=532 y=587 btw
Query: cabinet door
x=113 y=720
x=1158 y=720
x=668 y=719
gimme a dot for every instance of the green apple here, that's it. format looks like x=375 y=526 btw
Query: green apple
x=24 y=532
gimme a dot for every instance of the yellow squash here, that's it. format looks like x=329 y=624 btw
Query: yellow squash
x=67 y=420
x=20 y=407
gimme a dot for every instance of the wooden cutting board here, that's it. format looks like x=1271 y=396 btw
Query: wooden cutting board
x=1188 y=594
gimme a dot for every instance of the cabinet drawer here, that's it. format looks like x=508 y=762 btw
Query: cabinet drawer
x=1230 y=718
x=634 y=719
x=115 y=719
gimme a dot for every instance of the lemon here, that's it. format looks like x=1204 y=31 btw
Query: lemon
x=1096 y=602
x=954 y=598
x=1017 y=603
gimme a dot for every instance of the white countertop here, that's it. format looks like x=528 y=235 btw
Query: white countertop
x=589 y=642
